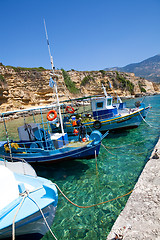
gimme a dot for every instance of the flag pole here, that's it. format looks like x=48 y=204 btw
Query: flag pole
x=118 y=98
x=53 y=68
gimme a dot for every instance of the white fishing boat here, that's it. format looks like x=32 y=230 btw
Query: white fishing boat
x=27 y=203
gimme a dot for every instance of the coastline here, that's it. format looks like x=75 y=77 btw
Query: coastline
x=15 y=115
x=140 y=218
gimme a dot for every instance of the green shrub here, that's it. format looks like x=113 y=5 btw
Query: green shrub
x=103 y=72
x=130 y=86
x=141 y=87
x=143 y=90
x=86 y=80
x=125 y=83
x=2 y=79
x=69 y=83
x=19 y=69
x=102 y=82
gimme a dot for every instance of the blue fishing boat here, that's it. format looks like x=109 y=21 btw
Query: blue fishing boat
x=100 y=113
x=27 y=203
x=36 y=143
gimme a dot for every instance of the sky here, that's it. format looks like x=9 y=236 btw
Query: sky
x=84 y=35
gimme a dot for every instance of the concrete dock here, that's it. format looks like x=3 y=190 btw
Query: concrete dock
x=140 y=219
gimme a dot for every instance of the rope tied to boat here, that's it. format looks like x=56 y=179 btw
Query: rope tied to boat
x=107 y=149
x=13 y=223
x=94 y=205
x=24 y=195
x=45 y=220
x=146 y=121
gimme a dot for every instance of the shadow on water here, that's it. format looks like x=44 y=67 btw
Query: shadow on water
x=62 y=170
x=118 y=133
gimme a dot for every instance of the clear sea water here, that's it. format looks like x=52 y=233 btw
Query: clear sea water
x=86 y=182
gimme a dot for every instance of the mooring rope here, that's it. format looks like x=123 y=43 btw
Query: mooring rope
x=43 y=217
x=26 y=194
x=93 y=204
x=13 y=223
x=96 y=161
x=107 y=149
x=146 y=121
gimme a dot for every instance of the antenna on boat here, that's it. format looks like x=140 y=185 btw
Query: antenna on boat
x=51 y=58
x=54 y=83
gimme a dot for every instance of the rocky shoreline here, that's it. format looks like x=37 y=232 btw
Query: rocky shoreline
x=140 y=219
x=21 y=88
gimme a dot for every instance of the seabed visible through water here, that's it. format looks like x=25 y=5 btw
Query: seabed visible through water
x=87 y=182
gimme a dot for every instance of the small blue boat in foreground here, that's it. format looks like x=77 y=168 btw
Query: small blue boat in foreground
x=27 y=202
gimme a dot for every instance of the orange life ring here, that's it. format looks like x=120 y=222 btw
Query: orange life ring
x=51 y=112
x=75 y=132
x=70 y=111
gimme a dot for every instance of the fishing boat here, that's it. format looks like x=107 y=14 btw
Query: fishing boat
x=27 y=203
x=37 y=144
x=100 y=113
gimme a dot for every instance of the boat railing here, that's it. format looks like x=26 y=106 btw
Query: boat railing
x=88 y=117
x=17 y=165
x=32 y=146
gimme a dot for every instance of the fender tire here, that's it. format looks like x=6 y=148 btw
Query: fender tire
x=97 y=124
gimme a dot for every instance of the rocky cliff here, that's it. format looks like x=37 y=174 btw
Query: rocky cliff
x=22 y=88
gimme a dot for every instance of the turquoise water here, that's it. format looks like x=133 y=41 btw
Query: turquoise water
x=86 y=182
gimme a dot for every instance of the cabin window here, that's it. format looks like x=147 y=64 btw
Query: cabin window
x=109 y=101
x=100 y=105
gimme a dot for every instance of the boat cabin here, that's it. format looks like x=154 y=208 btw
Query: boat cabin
x=103 y=108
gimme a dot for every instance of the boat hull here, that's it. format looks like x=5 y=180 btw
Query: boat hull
x=63 y=154
x=129 y=121
x=32 y=227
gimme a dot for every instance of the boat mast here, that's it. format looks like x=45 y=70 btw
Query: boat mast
x=53 y=68
x=104 y=90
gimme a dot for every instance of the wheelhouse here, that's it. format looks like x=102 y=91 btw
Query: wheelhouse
x=102 y=107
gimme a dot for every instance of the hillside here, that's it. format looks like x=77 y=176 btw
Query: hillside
x=148 y=69
x=22 y=87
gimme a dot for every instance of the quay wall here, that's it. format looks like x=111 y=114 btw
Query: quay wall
x=140 y=219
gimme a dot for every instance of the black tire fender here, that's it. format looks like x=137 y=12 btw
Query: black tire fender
x=97 y=124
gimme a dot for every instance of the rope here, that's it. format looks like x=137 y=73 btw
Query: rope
x=96 y=162
x=107 y=150
x=134 y=153
x=26 y=194
x=146 y=121
x=13 y=224
x=93 y=204
x=121 y=146
x=43 y=217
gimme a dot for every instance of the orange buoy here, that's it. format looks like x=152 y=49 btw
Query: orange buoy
x=84 y=139
x=68 y=109
x=75 y=132
x=74 y=123
x=51 y=112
